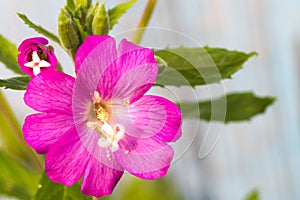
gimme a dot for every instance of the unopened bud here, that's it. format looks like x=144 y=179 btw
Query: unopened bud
x=67 y=31
x=100 y=24
x=85 y=4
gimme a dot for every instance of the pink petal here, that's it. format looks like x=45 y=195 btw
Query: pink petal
x=66 y=159
x=32 y=42
x=50 y=92
x=148 y=156
x=126 y=46
x=92 y=59
x=154 y=174
x=99 y=179
x=130 y=76
x=151 y=116
x=89 y=138
x=91 y=43
x=42 y=130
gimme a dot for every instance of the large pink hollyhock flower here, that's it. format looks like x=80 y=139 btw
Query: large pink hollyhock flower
x=36 y=56
x=102 y=123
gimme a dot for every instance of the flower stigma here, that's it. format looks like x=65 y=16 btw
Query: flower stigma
x=36 y=63
x=110 y=134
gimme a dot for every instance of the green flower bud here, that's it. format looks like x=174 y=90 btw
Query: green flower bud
x=90 y=17
x=100 y=24
x=161 y=64
x=70 y=4
x=67 y=31
x=85 y=4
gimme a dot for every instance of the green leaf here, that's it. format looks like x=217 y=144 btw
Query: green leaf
x=16 y=180
x=39 y=29
x=15 y=83
x=8 y=55
x=116 y=13
x=48 y=190
x=199 y=66
x=254 y=195
x=230 y=108
x=11 y=137
x=160 y=63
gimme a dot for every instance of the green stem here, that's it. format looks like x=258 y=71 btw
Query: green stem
x=12 y=136
x=144 y=21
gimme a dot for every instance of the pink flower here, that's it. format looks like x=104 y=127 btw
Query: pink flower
x=102 y=123
x=35 y=56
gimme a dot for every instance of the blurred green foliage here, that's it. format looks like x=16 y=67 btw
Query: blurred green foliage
x=16 y=180
x=137 y=189
x=253 y=195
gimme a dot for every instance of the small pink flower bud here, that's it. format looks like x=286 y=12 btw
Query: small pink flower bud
x=36 y=56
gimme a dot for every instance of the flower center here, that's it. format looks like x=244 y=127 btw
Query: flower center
x=110 y=135
x=36 y=63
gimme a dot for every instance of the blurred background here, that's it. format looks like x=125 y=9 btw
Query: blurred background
x=262 y=154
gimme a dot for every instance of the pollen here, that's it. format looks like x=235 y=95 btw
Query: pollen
x=110 y=134
x=101 y=114
x=126 y=103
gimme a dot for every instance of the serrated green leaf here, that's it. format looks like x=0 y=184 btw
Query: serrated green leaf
x=48 y=190
x=16 y=180
x=15 y=83
x=118 y=11
x=199 y=66
x=254 y=195
x=8 y=55
x=230 y=108
x=39 y=29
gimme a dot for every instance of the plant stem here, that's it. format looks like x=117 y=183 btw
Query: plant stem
x=144 y=21
x=12 y=136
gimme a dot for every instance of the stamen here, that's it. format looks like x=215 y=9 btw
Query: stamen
x=126 y=103
x=101 y=113
x=97 y=97
x=110 y=135
x=108 y=155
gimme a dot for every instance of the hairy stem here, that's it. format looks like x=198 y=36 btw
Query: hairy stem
x=12 y=137
x=144 y=21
